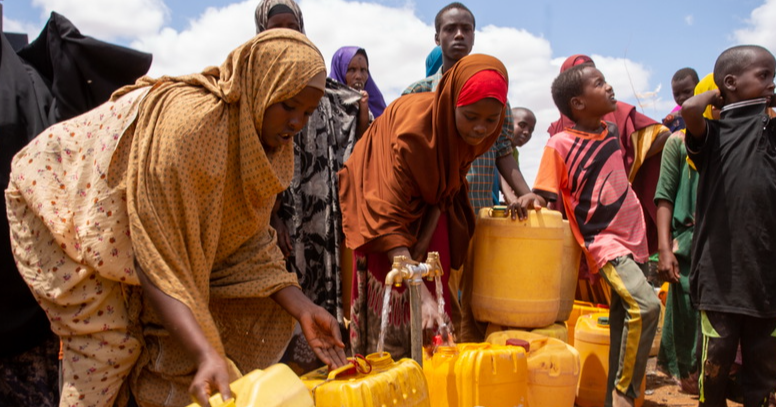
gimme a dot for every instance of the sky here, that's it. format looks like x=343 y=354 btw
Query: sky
x=638 y=45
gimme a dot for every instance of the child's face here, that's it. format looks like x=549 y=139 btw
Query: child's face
x=756 y=81
x=478 y=120
x=524 y=127
x=683 y=89
x=597 y=97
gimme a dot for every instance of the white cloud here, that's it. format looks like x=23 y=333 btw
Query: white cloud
x=760 y=30
x=395 y=38
x=22 y=27
x=110 y=19
x=205 y=42
x=690 y=19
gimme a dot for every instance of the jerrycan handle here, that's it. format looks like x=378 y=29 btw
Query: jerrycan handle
x=216 y=401
x=498 y=211
x=474 y=346
x=226 y=403
x=358 y=364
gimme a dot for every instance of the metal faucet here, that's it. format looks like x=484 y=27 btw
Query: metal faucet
x=412 y=272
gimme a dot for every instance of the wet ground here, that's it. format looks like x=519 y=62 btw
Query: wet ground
x=662 y=391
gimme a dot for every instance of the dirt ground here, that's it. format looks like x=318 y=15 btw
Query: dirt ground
x=662 y=391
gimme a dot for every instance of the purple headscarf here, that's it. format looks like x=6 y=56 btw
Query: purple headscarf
x=339 y=66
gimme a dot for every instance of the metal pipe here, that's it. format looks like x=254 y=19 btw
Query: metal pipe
x=416 y=321
x=416 y=274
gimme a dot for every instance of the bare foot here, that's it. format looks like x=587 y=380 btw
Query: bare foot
x=621 y=400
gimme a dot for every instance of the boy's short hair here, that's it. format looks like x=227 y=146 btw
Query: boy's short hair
x=457 y=5
x=685 y=72
x=733 y=61
x=567 y=85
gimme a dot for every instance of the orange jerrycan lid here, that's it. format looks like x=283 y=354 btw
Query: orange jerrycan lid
x=519 y=342
x=603 y=321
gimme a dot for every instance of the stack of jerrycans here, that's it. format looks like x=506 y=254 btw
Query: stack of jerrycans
x=553 y=367
x=374 y=381
x=592 y=340
x=481 y=374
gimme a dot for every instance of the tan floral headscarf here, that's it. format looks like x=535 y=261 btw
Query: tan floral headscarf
x=200 y=188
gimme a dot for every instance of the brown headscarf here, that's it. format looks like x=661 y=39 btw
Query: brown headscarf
x=200 y=189
x=412 y=158
x=261 y=15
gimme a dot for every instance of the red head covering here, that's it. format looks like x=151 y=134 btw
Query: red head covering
x=484 y=84
x=574 y=60
x=410 y=159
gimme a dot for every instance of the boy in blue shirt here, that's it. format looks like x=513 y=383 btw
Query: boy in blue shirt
x=732 y=277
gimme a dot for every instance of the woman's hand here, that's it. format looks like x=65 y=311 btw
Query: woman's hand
x=519 y=209
x=284 y=238
x=323 y=335
x=429 y=308
x=318 y=326
x=668 y=266
x=212 y=377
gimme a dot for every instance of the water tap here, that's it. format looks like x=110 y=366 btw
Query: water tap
x=404 y=268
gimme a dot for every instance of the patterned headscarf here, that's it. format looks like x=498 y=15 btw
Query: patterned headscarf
x=339 y=67
x=265 y=6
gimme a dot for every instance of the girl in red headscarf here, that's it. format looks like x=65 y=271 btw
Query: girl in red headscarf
x=403 y=192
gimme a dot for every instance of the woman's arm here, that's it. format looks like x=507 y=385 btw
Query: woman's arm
x=284 y=238
x=212 y=375
x=430 y=222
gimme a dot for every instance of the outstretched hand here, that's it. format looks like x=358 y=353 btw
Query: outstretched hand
x=212 y=377
x=323 y=335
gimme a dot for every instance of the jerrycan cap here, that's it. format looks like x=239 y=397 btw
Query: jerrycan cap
x=603 y=321
x=498 y=211
x=519 y=342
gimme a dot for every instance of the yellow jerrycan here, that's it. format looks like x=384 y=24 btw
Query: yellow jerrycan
x=569 y=272
x=591 y=339
x=517 y=275
x=275 y=386
x=582 y=308
x=477 y=374
x=553 y=367
x=374 y=381
x=558 y=330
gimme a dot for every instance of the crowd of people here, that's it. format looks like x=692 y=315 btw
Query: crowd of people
x=191 y=229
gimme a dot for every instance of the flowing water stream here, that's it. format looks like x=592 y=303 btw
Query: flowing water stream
x=386 y=313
